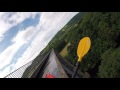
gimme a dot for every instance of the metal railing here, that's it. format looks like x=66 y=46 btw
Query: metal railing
x=19 y=72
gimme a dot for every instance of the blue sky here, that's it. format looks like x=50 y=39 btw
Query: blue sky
x=24 y=34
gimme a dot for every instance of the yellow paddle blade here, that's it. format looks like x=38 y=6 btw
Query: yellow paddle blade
x=83 y=47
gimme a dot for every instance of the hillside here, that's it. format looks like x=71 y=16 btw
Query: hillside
x=63 y=36
x=103 y=28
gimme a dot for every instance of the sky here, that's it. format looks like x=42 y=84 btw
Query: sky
x=23 y=35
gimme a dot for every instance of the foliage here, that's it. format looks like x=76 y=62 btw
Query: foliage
x=110 y=64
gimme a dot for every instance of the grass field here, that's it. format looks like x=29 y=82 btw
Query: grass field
x=64 y=52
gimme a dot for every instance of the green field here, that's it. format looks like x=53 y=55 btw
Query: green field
x=64 y=52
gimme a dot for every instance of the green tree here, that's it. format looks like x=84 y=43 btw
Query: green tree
x=110 y=64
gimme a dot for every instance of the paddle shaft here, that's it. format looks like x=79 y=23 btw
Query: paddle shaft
x=76 y=68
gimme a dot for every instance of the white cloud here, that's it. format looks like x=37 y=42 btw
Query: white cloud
x=5 y=72
x=20 y=39
x=8 y=20
x=25 y=35
x=50 y=23
x=1 y=38
x=8 y=53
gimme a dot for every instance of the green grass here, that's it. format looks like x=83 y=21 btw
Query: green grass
x=64 y=52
